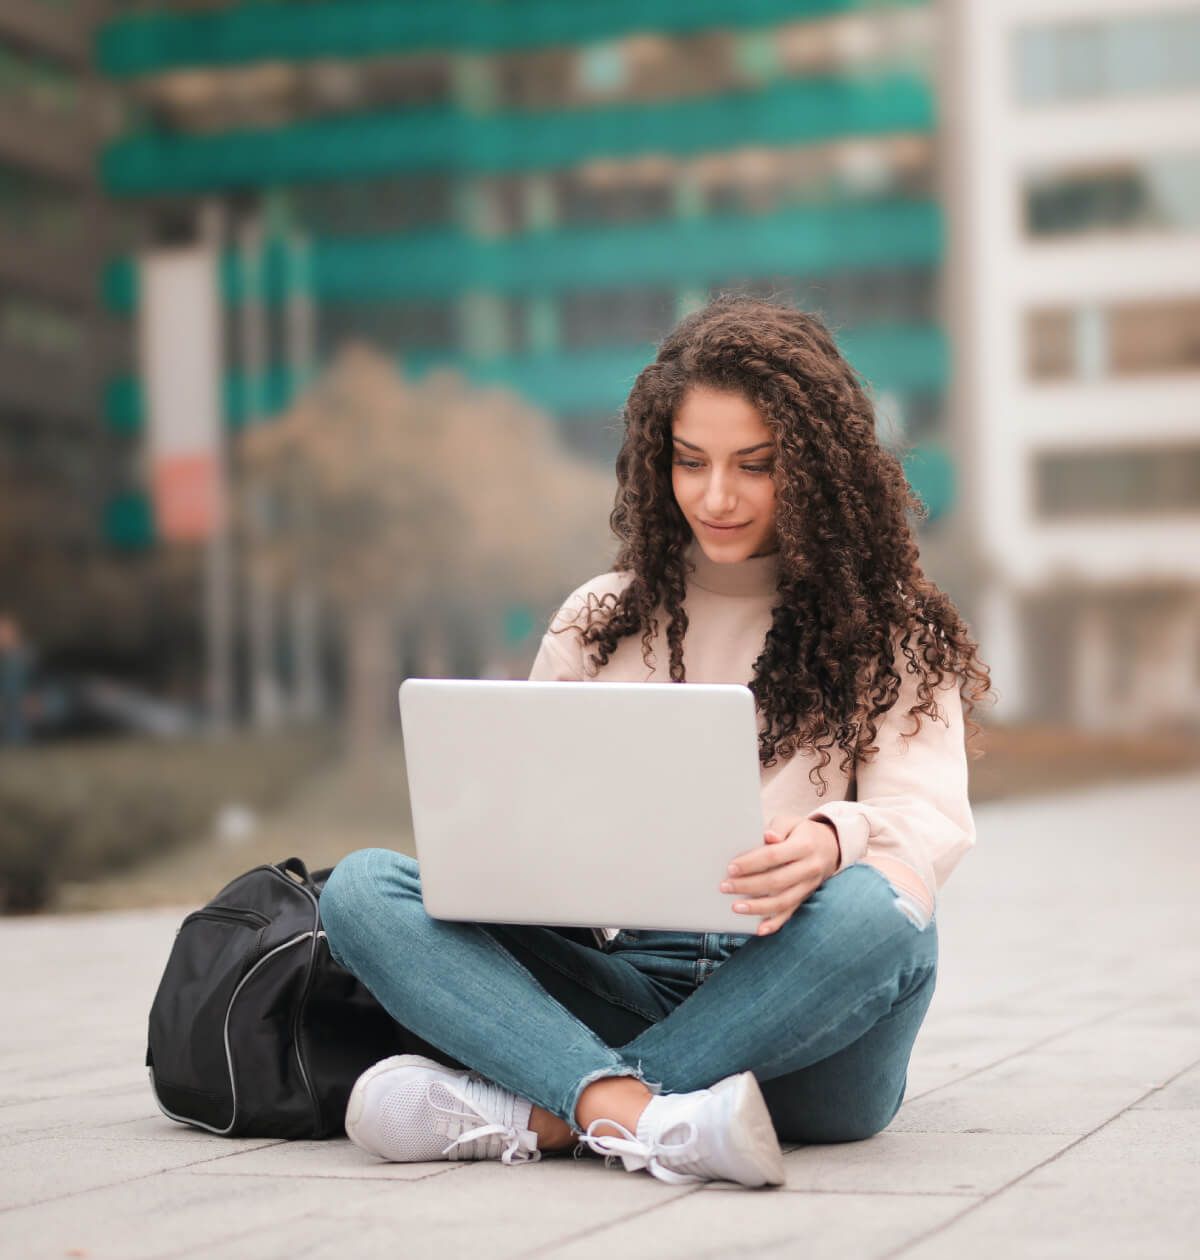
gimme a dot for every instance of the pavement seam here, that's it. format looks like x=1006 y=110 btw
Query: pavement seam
x=1070 y=1146
x=123 y=1181
x=317 y=1213
x=82 y=1095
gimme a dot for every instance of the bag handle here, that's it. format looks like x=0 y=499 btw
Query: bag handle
x=295 y=866
x=312 y=880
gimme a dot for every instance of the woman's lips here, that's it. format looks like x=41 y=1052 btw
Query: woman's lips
x=723 y=529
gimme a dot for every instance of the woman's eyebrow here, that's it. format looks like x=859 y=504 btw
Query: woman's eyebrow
x=746 y=450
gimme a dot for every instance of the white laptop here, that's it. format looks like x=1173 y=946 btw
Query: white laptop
x=584 y=804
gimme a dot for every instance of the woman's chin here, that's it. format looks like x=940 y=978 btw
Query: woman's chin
x=726 y=550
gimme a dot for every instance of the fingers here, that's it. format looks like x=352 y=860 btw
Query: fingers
x=773 y=924
x=777 y=908
x=777 y=904
x=779 y=876
x=788 y=841
x=755 y=860
x=775 y=882
x=769 y=856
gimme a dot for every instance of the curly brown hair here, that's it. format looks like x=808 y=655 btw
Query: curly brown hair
x=851 y=590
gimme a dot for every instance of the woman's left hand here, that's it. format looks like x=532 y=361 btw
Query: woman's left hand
x=799 y=855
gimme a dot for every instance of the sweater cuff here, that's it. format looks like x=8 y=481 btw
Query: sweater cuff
x=851 y=826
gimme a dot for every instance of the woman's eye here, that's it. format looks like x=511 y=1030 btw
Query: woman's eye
x=757 y=468
x=680 y=462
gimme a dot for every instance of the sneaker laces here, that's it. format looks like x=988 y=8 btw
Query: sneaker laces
x=520 y=1145
x=636 y=1154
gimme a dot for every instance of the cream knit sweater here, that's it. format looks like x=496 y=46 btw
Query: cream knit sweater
x=906 y=813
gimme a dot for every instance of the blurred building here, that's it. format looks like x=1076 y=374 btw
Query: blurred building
x=533 y=192
x=1075 y=158
x=995 y=206
x=530 y=192
x=60 y=463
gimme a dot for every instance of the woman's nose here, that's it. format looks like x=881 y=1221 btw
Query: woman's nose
x=719 y=497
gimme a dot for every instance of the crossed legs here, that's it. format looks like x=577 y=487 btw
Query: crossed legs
x=824 y=1012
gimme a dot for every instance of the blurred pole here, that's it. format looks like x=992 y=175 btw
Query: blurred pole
x=218 y=576
x=265 y=702
x=304 y=608
x=1001 y=629
x=301 y=313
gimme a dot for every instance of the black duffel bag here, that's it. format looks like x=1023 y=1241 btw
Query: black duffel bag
x=255 y=1031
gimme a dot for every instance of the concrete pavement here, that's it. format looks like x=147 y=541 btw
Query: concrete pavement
x=1053 y=1108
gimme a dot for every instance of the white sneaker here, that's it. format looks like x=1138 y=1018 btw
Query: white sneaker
x=410 y=1109
x=719 y=1134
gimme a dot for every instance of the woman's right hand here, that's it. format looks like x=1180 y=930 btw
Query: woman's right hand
x=798 y=856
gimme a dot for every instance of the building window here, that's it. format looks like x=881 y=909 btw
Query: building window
x=1051 y=345
x=277 y=93
x=1161 y=191
x=878 y=295
x=760 y=181
x=627 y=318
x=1154 y=337
x=852 y=298
x=1125 y=339
x=371 y=207
x=735 y=182
x=1088 y=60
x=896 y=36
x=598 y=197
x=1118 y=482
x=537 y=79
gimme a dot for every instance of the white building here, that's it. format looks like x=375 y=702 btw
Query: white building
x=1073 y=190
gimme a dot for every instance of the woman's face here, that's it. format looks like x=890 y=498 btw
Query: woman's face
x=721 y=474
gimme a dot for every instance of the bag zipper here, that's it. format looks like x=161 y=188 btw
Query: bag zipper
x=226 y=914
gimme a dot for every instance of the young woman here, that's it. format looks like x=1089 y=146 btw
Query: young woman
x=765 y=540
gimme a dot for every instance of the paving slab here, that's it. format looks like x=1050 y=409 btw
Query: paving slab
x=484 y=1210
x=1125 y=1192
x=174 y=1214
x=711 y=1225
x=899 y=1162
x=1053 y=1109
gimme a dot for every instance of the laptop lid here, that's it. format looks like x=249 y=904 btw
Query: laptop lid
x=585 y=804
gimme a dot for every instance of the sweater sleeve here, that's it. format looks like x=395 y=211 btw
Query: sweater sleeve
x=911 y=818
x=555 y=660
x=560 y=655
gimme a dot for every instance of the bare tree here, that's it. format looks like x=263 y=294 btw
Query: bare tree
x=405 y=506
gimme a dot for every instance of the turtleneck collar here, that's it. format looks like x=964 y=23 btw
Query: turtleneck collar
x=759 y=575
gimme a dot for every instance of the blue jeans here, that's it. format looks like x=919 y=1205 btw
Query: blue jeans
x=824 y=1012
